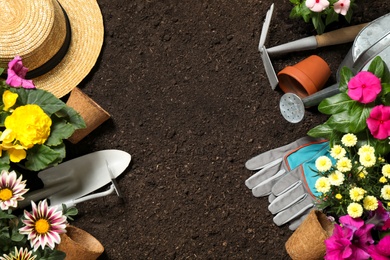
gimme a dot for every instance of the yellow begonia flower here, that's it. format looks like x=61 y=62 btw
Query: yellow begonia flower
x=357 y=193
x=16 y=152
x=382 y=179
x=9 y=99
x=339 y=196
x=336 y=178
x=337 y=152
x=386 y=170
x=367 y=159
x=322 y=184
x=355 y=210
x=7 y=136
x=366 y=149
x=349 y=140
x=30 y=125
x=323 y=163
x=370 y=203
x=385 y=192
x=344 y=164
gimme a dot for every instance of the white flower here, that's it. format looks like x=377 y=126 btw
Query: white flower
x=385 y=192
x=336 y=178
x=355 y=210
x=322 y=184
x=317 y=5
x=344 y=164
x=337 y=152
x=323 y=163
x=12 y=189
x=349 y=140
x=367 y=159
x=342 y=6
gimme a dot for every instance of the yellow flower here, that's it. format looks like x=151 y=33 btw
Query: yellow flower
x=370 y=203
x=336 y=178
x=357 y=193
x=349 y=140
x=386 y=170
x=385 y=192
x=338 y=196
x=383 y=179
x=337 y=152
x=322 y=184
x=9 y=99
x=355 y=210
x=323 y=163
x=366 y=149
x=367 y=159
x=29 y=124
x=344 y=164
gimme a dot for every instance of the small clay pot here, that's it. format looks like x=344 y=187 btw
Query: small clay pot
x=304 y=78
x=79 y=244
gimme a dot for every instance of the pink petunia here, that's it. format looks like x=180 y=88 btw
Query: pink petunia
x=342 y=6
x=364 y=87
x=317 y=5
x=17 y=73
x=381 y=251
x=379 y=122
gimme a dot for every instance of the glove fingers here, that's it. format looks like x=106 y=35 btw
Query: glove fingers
x=293 y=212
x=263 y=159
x=271 y=198
x=264 y=188
x=286 y=182
x=294 y=224
x=287 y=199
x=263 y=174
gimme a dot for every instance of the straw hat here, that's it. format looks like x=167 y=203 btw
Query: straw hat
x=59 y=40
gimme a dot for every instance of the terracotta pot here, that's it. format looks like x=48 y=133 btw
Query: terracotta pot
x=308 y=240
x=306 y=77
x=79 y=244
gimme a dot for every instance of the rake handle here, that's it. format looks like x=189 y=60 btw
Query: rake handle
x=343 y=35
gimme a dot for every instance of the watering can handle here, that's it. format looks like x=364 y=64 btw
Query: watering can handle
x=343 y=35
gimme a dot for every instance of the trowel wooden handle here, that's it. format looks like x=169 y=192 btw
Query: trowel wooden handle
x=343 y=35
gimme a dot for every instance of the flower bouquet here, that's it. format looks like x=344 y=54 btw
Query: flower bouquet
x=322 y=12
x=353 y=183
x=33 y=235
x=33 y=122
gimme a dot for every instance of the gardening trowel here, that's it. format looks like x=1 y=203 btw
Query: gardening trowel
x=70 y=182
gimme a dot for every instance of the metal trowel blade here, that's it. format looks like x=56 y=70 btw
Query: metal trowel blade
x=269 y=69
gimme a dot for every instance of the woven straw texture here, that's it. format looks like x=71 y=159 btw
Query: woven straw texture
x=79 y=244
x=307 y=241
x=35 y=31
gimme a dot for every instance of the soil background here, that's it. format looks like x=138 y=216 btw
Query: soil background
x=190 y=101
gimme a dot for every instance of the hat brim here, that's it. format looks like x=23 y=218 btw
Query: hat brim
x=87 y=30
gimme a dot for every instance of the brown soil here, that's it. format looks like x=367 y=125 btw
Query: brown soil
x=190 y=101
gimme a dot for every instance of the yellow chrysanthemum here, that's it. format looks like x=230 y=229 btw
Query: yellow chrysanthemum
x=349 y=140
x=338 y=196
x=322 y=184
x=29 y=124
x=355 y=210
x=366 y=149
x=344 y=164
x=382 y=179
x=357 y=193
x=370 y=203
x=336 y=178
x=323 y=163
x=337 y=152
x=385 y=192
x=9 y=99
x=367 y=159
x=386 y=170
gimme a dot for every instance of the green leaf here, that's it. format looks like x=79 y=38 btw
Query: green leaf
x=385 y=94
x=49 y=254
x=321 y=131
x=72 y=116
x=16 y=236
x=40 y=157
x=335 y=104
x=1 y=70
x=47 y=101
x=318 y=23
x=377 y=66
x=358 y=116
x=59 y=130
x=331 y=16
x=345 y=76
x=5 y=215
x=340 y=122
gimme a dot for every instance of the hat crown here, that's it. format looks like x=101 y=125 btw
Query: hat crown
x=33 y=29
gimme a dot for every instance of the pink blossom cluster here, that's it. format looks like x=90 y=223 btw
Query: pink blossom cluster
x=340 y=7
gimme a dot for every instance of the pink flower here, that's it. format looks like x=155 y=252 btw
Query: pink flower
x=342 y=6
x=381 y=251
x=364 y=87
x=379 y=122
x=317 y=5
x=17 y=73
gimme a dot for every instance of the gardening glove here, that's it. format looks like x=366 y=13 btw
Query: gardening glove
x=273 y=164
x=295 y=193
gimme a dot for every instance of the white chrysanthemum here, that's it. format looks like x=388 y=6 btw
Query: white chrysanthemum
x=355 y=210
x=357 y=193
x=323 y=163
x=370 y=203
x=344 y=164
x=322 y=184
x=386 y=170
x=385 y=192
x=366 y=149
x=337 y=152
x=367 y=159
x=349 y=140
x=336 y=178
